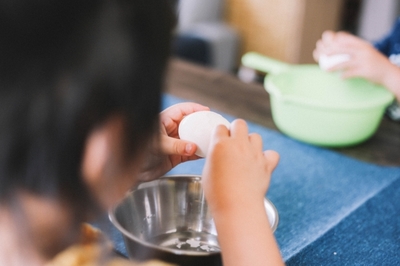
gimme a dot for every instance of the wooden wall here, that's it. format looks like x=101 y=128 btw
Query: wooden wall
x=283 y=29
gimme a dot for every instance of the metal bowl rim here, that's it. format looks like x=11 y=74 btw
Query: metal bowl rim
x=114 y=221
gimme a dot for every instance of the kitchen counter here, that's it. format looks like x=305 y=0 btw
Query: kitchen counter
x=226 y=93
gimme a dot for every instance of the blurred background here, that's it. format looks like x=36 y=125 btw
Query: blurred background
x=216 y=33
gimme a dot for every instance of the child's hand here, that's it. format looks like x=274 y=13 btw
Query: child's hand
x=365 y=61
x=178 y=150
x=172 y=151
x=236 y=177
x=237 y=171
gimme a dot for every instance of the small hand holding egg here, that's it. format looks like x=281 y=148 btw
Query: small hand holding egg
x=326 y=62
x=198 y=127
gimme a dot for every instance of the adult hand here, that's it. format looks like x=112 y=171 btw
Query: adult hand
x=169 y=151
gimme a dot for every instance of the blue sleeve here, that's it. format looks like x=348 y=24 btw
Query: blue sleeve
x=388 y=43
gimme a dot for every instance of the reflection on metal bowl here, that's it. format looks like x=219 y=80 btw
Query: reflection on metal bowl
x=168 y=219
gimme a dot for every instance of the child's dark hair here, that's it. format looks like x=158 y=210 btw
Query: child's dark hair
x=65 y=67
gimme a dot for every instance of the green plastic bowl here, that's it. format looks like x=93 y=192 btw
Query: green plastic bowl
x=320 y=107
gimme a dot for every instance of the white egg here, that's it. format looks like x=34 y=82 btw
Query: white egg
x=326 y=62
x=198 y=127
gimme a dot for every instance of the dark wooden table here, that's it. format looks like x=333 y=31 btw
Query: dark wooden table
x=226 y=93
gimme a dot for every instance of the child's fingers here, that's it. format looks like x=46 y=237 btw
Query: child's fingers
x=177 y=147
x=316 y=55
x=239 y=128
x=220 y=132
x=340 y=66
x=347 y=40
x=179 y=110
x=348 y=69
x=172 y=116
x=328 y=36
x=272 y=158
x=350 y=73
x=256 y=140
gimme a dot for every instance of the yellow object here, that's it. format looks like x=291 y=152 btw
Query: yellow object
x=94 y=250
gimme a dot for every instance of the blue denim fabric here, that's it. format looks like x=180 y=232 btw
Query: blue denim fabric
x=369 y=236
x=314 y=190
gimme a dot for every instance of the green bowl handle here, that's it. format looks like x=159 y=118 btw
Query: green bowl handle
x=263 y=63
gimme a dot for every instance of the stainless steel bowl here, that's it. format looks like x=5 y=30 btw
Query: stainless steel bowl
x=168 y=219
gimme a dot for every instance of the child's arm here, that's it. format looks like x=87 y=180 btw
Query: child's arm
x=365 y=61
x=236 y=177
